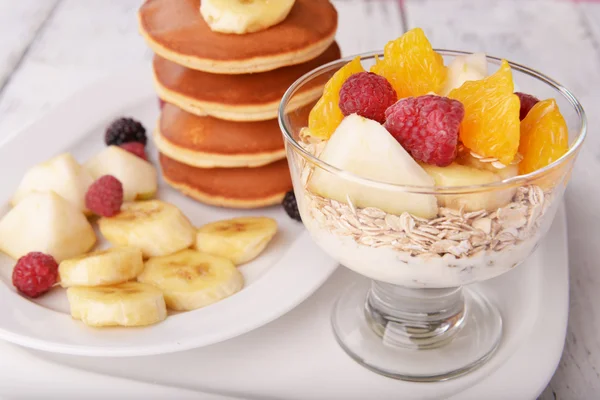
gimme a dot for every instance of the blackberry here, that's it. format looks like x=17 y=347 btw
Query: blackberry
x=124 y=130
x=290 y=206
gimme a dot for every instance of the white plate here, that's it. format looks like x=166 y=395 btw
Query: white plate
x=297 y=357
x=287 y=273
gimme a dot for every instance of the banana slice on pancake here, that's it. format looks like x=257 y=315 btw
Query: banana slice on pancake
x=244 y=16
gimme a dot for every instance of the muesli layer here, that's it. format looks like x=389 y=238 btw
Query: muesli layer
x=456 y=232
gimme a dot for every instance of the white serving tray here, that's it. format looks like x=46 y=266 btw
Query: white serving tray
x=296 y=356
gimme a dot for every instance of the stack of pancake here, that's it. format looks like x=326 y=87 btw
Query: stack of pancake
x=218 y=136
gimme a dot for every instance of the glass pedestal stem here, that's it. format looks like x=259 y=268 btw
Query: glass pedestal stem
x=415 y=318
x=423 y=335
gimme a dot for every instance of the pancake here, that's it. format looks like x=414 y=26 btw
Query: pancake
x=251 y=97
x=176 y=31
x=229 y=187
x=208 y=142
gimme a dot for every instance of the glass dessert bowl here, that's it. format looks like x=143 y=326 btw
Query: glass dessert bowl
x=423 y=233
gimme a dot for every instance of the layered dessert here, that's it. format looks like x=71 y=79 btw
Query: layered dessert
x=422 y=170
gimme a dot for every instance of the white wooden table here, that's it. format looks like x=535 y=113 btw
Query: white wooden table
x=51 y=48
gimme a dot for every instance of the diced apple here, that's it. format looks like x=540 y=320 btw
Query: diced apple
x=47 y=223
x=62 y=175
x=365 y=148
x=456 y=175
x=471 y=67
x=139 y=177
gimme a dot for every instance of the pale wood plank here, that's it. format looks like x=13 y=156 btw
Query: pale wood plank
x=590 y=12
x=557 y=42
x=20 y=21
x=578 y=376
x=355 y=36
x=83 y=41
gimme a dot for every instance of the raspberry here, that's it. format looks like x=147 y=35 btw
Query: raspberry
x=35 y=273
x=136 y=148
x=368 y=95
x=125 y=130
x=527 y=103
x=105 y=196
x=291 y=206
x=427 y=127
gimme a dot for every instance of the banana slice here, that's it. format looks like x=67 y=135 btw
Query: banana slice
x=239 y=239
x=126 y=304
x=155 y=227
x=190 y=279
x=101 y=268
x=244 y=16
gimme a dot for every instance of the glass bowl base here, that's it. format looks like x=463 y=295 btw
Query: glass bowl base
x=475 y=342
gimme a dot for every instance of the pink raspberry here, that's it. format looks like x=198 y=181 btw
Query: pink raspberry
x=368 y=95
x=105 y=196
x=136 y=148
x=427 y=127
x=527 y=103
x=35 y=274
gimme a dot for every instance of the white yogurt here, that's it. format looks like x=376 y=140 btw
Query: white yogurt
x=400 y=268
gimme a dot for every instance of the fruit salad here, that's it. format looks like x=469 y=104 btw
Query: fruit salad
x=148 y=257
x=424 y=155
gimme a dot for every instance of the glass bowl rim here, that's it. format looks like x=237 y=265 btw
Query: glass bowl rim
x=516 y=181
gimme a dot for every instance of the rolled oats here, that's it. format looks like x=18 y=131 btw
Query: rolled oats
x=429 y=229
x=475 y=214
x=460 y=235
x=494 y=161
x=380 y=222
x=393 y=222
x=478 y=241
x=453 y=234
x=352 y=220
x=424 y=235
x=443 y=246
x=462 y=249
x=534 y=214
x=367 y=240
x=536 y=195
x=407 y=222
x=512 y=217
x=372 y=212
x=483 y=224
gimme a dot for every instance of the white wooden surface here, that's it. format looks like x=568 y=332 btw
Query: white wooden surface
x=51 y=48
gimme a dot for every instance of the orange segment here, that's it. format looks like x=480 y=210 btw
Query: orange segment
x=544 y=136
x=490 y=127
x=326 y=115
x=411 y=66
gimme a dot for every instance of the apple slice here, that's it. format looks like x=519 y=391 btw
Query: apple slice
x=471 y=67
x=139 y=177
x=48 y=223
x=62 y=175
x=365 y=148
x=464 y=175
